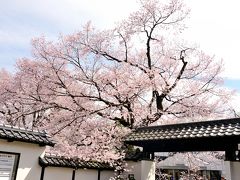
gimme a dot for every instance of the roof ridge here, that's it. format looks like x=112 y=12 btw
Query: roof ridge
x=216 y=135
x=50 y=155
x=18 y=128
x=194 y=123
x=14 y=133
x=64 y=161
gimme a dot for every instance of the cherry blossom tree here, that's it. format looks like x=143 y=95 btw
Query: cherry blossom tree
x=90 y=88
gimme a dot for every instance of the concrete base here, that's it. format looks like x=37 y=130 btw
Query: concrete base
x=232 y=170
x=148 y=170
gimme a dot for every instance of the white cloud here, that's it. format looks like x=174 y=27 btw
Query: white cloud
x=212 y=24
x=22 y=20
x=72 y=13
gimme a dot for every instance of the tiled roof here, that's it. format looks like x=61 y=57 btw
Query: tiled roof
x=227 y=127
x=207 y=135
x=20 y=134
x=60 y=161
x=201 y=160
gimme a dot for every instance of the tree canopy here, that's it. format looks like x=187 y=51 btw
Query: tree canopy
x=90 y=88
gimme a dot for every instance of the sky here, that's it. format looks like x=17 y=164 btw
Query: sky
x=212 y=24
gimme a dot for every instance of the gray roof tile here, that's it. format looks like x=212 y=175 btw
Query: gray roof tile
x=61 y=161
x=216 y=128
x=19 y=134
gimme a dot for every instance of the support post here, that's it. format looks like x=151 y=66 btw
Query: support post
x=148 y=155
x=230 y=155
x=42 y=173
x=73 y=174
x=99 y=174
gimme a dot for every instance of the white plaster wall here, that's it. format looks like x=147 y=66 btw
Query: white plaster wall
x=105 y=175
x=232 y=170
x=235 y=170
x=147 y=170
x=58 y=173
x=28 y=168
x=86 y=174
x=134 y=168
x=227 y=168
